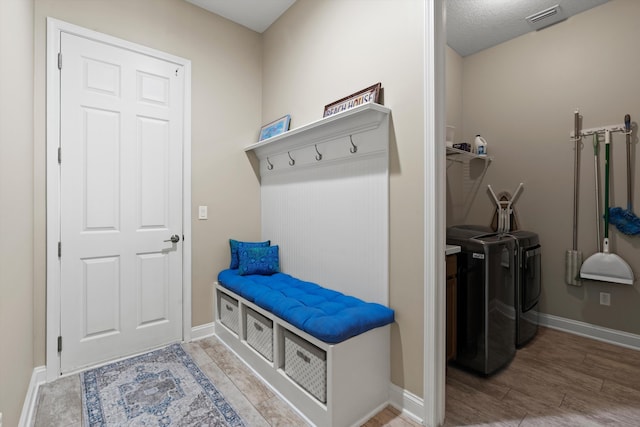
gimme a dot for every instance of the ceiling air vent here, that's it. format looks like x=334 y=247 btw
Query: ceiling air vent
x=546 y=17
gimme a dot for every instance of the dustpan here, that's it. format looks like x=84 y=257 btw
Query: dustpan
x=606 y=266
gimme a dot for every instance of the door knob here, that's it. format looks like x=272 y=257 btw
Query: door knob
x=174 y=239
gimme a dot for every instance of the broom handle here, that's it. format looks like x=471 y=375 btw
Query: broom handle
x=607 y=141
x=627 y=128
x=576 y=172
x=596 y=169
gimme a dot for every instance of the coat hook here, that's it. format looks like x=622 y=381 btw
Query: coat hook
x=353 y=148
x=291 y=160
x=318 y=154
x=269 y=165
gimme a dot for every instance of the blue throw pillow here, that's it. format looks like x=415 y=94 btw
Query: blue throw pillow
x=234 y=244
x=258 y=260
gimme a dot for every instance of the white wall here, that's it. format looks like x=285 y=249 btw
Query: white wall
x=330 y=217
x=16 y=205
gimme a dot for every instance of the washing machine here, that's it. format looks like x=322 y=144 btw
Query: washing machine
x=528 y=285
x=486 y=321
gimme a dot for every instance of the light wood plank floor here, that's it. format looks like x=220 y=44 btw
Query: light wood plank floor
x=558 y=379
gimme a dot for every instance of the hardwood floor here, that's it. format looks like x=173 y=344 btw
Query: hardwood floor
x=558 y=379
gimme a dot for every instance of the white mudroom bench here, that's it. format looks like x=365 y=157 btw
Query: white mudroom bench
x=331 y=384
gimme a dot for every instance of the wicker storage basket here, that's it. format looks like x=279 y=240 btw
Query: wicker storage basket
x=260 y=333
x=306 y=364
x=228 y=308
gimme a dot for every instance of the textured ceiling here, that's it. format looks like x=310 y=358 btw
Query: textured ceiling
x=257 y=15
x=474 y=25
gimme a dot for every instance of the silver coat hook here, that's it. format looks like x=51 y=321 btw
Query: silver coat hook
x=291 y=160
x=353 y=148
x=318 y=154
x=269 y=165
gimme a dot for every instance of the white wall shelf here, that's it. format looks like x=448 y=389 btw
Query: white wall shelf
x=458 y=155
x=333 y=138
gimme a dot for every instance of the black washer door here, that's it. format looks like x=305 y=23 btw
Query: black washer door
x=531 y=277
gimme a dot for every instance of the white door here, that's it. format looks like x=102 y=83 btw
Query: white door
x=121 y=142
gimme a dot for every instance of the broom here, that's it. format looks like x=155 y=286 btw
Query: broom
x=607 y=266
x=624 y=219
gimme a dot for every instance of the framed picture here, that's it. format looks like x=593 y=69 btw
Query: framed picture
x=275 y=128
x=364 y=96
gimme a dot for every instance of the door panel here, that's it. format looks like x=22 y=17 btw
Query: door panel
x=153 y=289
x=101 y=77
x=101 y=289
x=121 y=198
x=153 y=193
x=153 y=89
x=102 y=169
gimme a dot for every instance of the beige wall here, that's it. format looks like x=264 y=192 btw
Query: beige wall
x=226 y=97
x=453 y=70
x=16 y=205
x=321 y=51
x=454 y=97
x=521 y=96
x=312 y=56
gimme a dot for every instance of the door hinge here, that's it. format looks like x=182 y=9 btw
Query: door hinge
x=59 y=155
x=59 y=60
x=59 y=344
x=59 y=249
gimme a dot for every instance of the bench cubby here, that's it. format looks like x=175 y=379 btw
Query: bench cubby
x=259 y=333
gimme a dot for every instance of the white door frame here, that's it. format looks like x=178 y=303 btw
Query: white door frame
x=434 y=213
x=54 y=29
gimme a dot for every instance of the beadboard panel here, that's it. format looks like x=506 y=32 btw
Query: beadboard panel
x=331 y=222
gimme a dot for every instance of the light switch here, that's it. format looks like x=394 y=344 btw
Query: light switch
x=202 y=212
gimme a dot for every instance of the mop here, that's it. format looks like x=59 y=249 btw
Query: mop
x=606 y=266
x=624 y=219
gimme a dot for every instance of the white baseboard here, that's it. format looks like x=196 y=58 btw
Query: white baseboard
x=407 y=403
x=202 y=331
x=38 y=377
x=600 y=333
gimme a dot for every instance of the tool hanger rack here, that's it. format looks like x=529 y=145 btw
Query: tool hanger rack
x=600 y=130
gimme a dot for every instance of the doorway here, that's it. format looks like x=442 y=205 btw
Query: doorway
x=118 y=197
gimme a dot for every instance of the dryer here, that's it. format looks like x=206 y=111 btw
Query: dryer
x=528 y=285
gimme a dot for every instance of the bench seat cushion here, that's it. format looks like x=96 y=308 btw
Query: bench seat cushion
x=328 y=315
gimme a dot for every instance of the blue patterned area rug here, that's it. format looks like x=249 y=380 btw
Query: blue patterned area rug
x=161 y=388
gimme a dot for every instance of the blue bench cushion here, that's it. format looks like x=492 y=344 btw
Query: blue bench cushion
x=328 y=315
